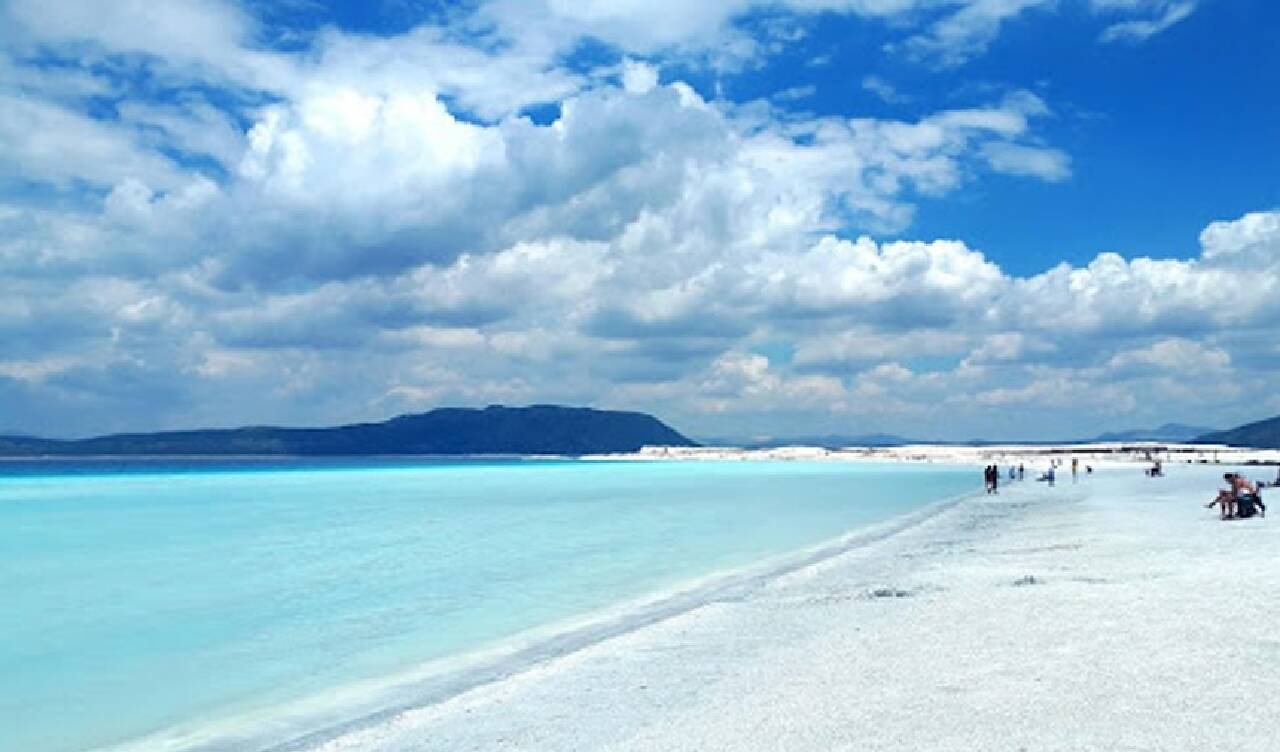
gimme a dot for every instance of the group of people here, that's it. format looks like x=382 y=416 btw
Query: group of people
x=1242 y=498
x=991 y=474
x=1050 y=476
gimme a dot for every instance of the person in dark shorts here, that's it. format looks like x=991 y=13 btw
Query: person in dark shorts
x=1239 y=500
x=1248 y=500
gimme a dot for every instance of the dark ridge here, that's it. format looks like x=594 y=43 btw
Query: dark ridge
x=1167 y=432
x=1262 y=434
x=538 y=429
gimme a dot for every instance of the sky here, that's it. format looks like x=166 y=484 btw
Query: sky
x=944 y=219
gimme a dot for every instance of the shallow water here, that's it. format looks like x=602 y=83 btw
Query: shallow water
x=145 y=596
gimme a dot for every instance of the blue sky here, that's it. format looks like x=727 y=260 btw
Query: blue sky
x=940 y=218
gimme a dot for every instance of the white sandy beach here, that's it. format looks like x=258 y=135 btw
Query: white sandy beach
x=1113 y=614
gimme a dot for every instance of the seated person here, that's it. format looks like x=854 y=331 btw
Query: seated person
x=1226 y=498
x=1240 y=499
x=1247 y=497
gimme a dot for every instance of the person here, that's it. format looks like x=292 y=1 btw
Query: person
x=986 y=477
x=1246 y=497
x=1273 y=484
x=1048 y=475
x=1013 y=473
x=1239 y=500
x=1075 y=469
x=995 y=479
x=1022 y=472
x=1225 y=501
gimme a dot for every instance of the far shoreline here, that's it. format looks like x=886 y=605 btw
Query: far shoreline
x=1095 y=452
x=1098 y=453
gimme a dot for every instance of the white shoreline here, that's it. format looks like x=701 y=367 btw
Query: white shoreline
x=1112 y=614
x=1037 y=455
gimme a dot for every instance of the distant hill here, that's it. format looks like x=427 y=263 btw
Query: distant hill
x=539 y=429
x=21 y=445
x=1167 y=432
x=1264 y=434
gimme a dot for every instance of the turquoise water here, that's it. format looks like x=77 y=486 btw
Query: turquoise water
x=143 y=597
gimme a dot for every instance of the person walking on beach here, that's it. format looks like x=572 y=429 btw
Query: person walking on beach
x=1075 y=469
x=1022 y=472
x=986 y=478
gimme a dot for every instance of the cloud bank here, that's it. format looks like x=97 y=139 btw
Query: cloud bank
x=203 y=228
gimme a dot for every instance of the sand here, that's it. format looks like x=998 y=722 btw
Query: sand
x=1113 y=614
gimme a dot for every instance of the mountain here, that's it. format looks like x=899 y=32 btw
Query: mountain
x=1264 y=434
x=539 y=429
x=21 y=445
x=1167 y=432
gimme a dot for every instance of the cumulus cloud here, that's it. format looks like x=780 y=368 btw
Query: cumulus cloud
x=1173 y=355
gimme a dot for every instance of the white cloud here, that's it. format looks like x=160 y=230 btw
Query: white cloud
x=1174 y=355
x=1008 y=347
x=208 y=38
x=969 y=31
x=853 y=346
x=889 y=281
x=1168 y=13
x=795 y=93
x=194 y=128
x=883 y=89
x=638 y=77
x=1251 y=241
x=1051 y=165
x=45 y=142
x=1057 y=390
